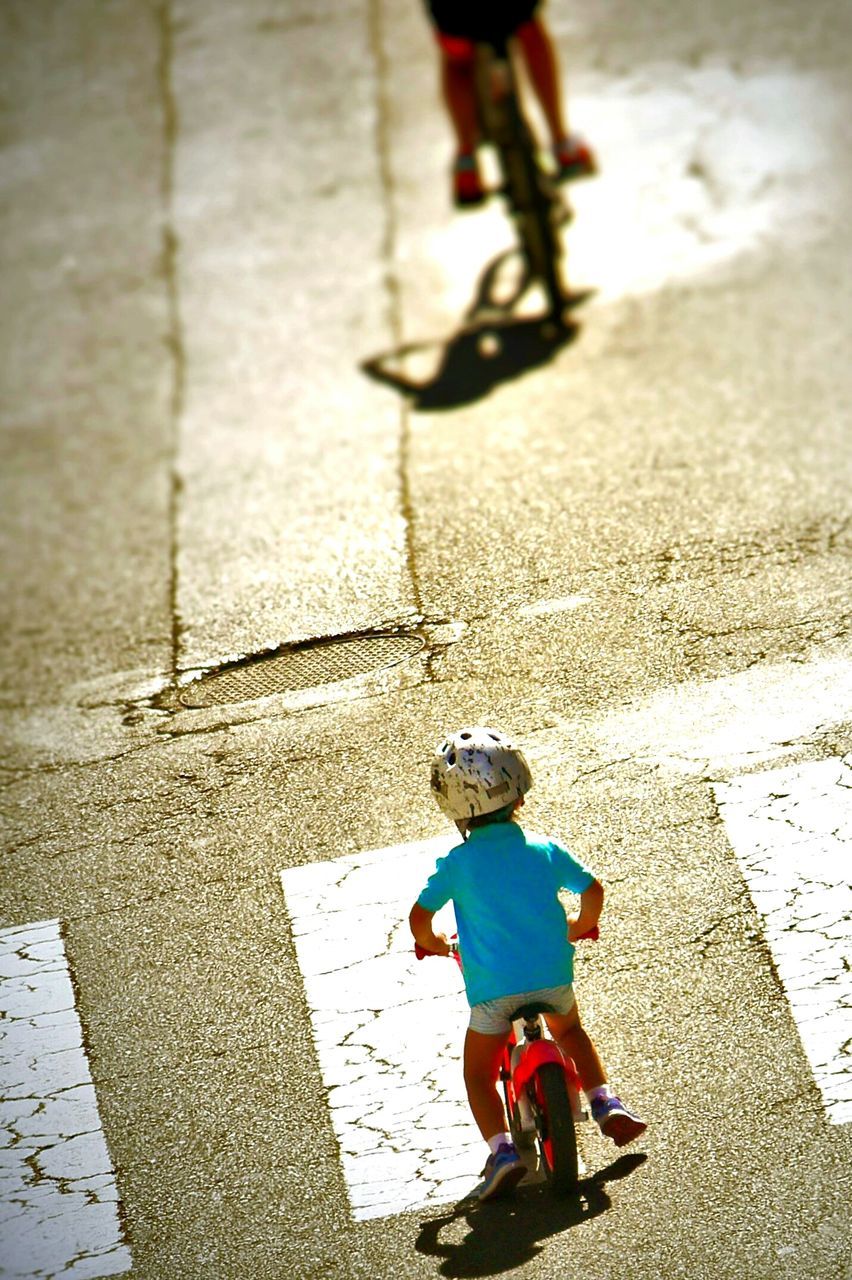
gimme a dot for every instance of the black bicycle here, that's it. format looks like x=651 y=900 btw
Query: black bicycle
x=537 y=208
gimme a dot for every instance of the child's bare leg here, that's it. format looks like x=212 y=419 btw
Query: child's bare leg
x=572 y=1038
x=609 y=1111
x=540 y=58
x=481 y=1068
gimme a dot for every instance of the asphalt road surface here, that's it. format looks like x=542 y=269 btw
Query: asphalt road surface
x=249 y=403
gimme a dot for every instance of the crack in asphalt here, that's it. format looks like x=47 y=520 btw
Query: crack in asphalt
x=175 y=342
x=779 y=545
x=391 y=283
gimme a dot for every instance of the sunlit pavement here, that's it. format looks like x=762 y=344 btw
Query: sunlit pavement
x=249 y=404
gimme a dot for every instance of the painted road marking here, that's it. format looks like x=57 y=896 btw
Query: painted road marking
x=791 y=830
x=731 y=723
x=563 y=604
x=790 y=826
x=388 y=1029
x=58 y=1195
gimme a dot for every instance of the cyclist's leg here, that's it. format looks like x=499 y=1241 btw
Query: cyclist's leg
x=450 y=21
x=573 y=1039
x=457 y=87
x=482 y=1055
x=541 y=63
x=573 y=156
x=608 y=1110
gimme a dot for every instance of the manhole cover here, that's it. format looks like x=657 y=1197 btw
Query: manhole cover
x=301 y=667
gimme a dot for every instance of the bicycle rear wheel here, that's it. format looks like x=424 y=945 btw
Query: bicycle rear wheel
x=522 y=1138
x=556 y=1132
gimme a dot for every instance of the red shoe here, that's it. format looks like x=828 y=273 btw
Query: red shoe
x=574 y=158
x=467 y=184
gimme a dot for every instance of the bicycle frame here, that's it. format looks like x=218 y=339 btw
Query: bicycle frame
x=519 y=1069
x=530 y=192
x=542 y=1089
x=543 y=1093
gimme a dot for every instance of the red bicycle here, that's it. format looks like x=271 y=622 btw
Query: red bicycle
x=542 y=1088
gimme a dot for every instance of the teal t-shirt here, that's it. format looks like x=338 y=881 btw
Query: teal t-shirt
x=513 y=933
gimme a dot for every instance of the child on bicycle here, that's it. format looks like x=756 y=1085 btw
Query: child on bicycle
x=459 y=24
x=513 y=939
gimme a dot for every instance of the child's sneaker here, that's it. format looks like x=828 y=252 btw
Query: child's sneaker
x=502 y=1171
x=616 y=1121
x=574 y=158
x=467 y=183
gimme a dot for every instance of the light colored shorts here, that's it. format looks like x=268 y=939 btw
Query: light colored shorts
x=492 y=1017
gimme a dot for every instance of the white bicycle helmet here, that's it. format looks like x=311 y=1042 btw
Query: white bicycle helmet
x=477 y=771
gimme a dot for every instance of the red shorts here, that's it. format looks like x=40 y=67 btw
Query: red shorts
x=459 y=24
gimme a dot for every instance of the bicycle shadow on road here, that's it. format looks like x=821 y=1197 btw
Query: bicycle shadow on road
x=492 y=346
x=505 y=1234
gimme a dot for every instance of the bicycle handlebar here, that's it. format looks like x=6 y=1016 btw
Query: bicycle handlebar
x=591 y=935
x=422 y=953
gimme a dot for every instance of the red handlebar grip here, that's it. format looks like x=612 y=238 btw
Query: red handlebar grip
x=421 y=952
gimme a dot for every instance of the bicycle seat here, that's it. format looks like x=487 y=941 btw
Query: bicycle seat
x=530 y=1011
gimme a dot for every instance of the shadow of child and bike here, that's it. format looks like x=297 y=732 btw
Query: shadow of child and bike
x=491 y=347
x=505 y=1234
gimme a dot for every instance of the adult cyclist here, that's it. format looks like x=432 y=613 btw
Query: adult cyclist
x=459 y=25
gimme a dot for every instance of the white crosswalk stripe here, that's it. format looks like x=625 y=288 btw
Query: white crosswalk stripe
x=58 y=1196
x=792 y=833
x=388 y=1029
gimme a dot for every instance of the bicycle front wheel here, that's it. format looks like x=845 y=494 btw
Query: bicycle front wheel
x=527 y=188
x=556 y=1132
